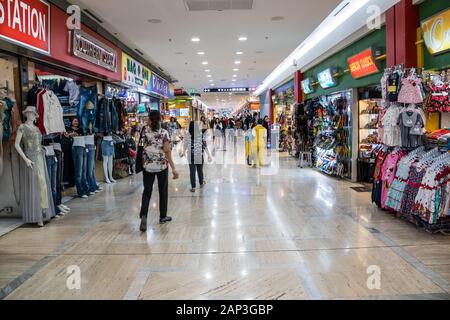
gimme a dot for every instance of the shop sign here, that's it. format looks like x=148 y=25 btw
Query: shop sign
x=90 y=49
x=307 y=86
x=326 y=78
x=363 y=64
x=159 y=86
x=436 y=33
x=134 y=73
x=26 y=23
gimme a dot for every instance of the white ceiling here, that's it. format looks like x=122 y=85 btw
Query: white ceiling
x=168 y=44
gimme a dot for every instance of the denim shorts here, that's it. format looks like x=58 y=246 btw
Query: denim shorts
x=107 y=148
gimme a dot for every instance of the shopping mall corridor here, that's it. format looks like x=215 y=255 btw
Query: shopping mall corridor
x=250 y=234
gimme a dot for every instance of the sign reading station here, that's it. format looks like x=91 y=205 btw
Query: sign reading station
x=90 y=49
x=436 y=33
x=26 y=23
x=363 y=64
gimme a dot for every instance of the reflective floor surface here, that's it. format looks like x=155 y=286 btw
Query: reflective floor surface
x=250 y=234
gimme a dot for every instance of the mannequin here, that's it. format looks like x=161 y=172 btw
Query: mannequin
x=79 y=155
x=36 y=200
x=108 y=157
x=90 y=164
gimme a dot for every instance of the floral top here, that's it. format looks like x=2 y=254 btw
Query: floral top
x=154 y=158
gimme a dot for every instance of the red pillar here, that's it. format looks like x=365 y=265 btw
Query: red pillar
x=390 y=38
x=271 y=106
x=298 y=78
x=402 y=21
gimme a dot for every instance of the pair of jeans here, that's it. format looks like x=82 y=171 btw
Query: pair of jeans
x=104 y=117
x=59 y=176
x=90 y=167
x=163 y=187
x=196 y=168
x=80 y=162
x=52 y=169
x=86 y=116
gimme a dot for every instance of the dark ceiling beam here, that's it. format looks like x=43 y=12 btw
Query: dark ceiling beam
x=86 y=20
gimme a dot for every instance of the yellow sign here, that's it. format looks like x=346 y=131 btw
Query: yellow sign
x=436 y=32
x=134 y=73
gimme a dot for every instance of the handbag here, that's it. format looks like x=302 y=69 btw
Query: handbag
x=140 y=153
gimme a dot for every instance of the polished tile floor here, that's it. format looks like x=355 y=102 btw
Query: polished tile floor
x=250 y=234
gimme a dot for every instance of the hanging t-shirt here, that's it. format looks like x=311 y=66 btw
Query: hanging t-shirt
x=74 y=92
x=393 y=86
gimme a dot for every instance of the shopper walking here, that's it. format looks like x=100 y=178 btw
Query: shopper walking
x=195 y=147
x=157 y=156
x=266 y=124
x=217 y=133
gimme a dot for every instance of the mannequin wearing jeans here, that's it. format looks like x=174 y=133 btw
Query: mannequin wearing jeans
x=80 y=160
x=90 y=164
x=108 y=157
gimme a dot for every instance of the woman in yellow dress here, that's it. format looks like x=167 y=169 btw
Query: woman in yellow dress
x=259 y=144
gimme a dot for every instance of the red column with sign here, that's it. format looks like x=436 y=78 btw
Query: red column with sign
x=402 y=21
x=271 y=106
x=298 y=78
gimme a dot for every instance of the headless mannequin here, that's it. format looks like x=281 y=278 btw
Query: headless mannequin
x=108 y=163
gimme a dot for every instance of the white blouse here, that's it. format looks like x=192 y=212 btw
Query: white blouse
x=53 y=114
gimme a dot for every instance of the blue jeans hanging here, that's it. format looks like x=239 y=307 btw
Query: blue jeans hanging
x=87 y=116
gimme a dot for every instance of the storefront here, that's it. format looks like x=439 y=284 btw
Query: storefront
x=66 y=75
x=412 y=169
x=340 y=93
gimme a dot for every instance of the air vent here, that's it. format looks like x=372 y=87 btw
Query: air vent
x=93 y=16
x=218 y=5
x=139 y=51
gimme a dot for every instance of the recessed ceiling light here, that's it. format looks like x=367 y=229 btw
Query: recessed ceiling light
x=243 y=39
x=236 y=70
x=205 y=63
x=237 y=62
x=234 y=76
x=154 y=20
x=195 y=39
x=200 y=53
x=233 y=80
x=239 y=53
x=207 y=70
x=209 y=76
x=212 y=84
x=211 y=80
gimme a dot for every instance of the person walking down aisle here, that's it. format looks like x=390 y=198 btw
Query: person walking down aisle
x=194 y=147
x=259 y=144
x=217 y=127
x=266 y=125
x=157 y=156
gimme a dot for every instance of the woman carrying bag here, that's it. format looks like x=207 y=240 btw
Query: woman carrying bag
x=194 y=147
x=154 y=158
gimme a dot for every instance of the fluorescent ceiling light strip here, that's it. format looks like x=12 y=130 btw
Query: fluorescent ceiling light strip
x=330 y=24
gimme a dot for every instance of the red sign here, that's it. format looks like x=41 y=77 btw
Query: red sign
x=26 y=23
x=363 y=64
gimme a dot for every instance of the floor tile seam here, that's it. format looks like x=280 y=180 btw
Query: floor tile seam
x=222 y=252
